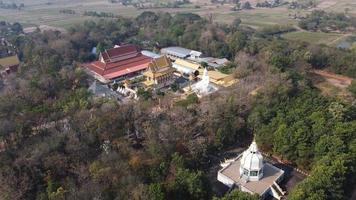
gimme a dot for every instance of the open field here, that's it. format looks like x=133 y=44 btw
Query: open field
x=258 y=18
x=46 y=12
x=314 y=37
x=338 y=6
x=39 y=13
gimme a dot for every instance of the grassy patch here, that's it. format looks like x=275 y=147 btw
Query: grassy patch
x=313 y=37
x=191 y=99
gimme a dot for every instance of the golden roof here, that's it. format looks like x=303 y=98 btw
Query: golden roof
x=148 y=83
x=159 y=63
x=214 y=74
x=9 y=61
x=219 y=78
x=158 y=67
x=187 y=64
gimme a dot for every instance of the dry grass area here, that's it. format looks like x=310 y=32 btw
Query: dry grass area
x=332 y=86
x=338 y=6
x=315 y=37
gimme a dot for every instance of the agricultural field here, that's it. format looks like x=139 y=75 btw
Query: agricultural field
x=43 y=13
x=348 y=6
x=46 y=12
x=314 y=37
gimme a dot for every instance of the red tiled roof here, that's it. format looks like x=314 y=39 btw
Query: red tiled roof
x=116 y=69
x=120 y=53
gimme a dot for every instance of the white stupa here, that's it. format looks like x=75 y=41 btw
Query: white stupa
x=250 y=173
x=203 y=87
x=251 y=167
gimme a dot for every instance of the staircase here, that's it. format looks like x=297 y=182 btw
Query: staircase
x=277 y=191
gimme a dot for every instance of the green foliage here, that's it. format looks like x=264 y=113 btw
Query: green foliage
x=326 y=181
x=191 y=99
x=337 y=111
x=292 y=121
x=204 y=64
x=145 y=94
x=156 y=191
x=158 y=173
x=247 y=5
x=52 y=186
x=99 y=48
x=230 y=128
x=237 y=41
x=321 y=20
x=175 y=87
x=276 y=30
x=188 y=185
x=237 y=194
x=352 y=88
x=311 y=131
x=227 y=69
x=235 y=24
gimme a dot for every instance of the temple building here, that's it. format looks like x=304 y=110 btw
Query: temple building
x=250 y=173
x=159 y=73
x=118 y=63
x=218 y=78
x=186 y=67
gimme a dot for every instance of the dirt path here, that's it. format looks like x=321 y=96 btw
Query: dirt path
x=334 y=42
x=335 y=79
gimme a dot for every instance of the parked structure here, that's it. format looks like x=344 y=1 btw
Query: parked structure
x=118 y=63
x=159 y=73
x=250 y=173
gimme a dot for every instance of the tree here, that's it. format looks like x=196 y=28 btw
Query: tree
x=330 y=145
x=237 y=41
x=326 y=180
x=352 y=88
x=156 y=191
x=247 y=5
x=175 y=87
x=204 y=64
x=235 y=24
x=188 y=185
x=237 y=194
x=99 y=48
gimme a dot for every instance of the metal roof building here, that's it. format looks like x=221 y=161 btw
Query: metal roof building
x=150 y=54
x=180 y=52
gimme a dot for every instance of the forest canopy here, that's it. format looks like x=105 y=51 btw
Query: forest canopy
x=101 y=149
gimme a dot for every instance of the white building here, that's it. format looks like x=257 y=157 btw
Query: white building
x=180 y=52
x=250 y=173
x=204 y=87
